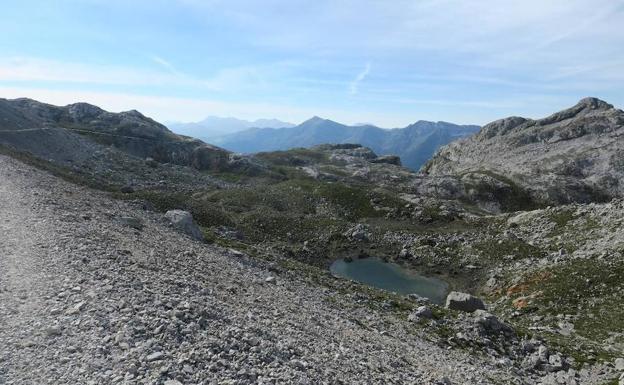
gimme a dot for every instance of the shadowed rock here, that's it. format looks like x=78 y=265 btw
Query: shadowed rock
x=463 y=302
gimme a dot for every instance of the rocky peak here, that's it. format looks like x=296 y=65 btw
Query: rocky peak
x=134 y=114
x=583 y=107
x=594 y=103
x=82 y=111
x=501 y=127
x=313 y=120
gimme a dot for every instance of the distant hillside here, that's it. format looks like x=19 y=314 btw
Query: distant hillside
x=415 y=144
x=81 y=132
x=574 y=155
x=214 y=126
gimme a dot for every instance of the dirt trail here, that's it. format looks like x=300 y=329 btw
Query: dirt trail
x=25 y=278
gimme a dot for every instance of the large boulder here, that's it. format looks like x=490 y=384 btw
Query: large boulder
x=463 y=302
x=183 y=221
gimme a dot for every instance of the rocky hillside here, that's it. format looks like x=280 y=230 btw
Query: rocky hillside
x=264 y=235
x=150 y=305
x=415 y=144
x=574 y=155
x=75 y=133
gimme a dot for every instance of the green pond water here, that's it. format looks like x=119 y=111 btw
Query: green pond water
x=390 y=276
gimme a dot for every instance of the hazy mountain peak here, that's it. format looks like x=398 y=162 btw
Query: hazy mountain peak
x=213 y=127
x=315 y=119
x=271 y=123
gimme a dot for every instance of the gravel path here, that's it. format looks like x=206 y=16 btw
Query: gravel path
x=85 y=299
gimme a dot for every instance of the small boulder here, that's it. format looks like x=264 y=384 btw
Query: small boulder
x=359 y=232
x=405 y=254
x=53 y=331
x=463 y=302
x=155 y=356
x=183 y=221
x=421 y=312
x=489 y=322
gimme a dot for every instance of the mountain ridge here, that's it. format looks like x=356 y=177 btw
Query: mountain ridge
x=73 y=133
x=414 y=144
x=214 y=126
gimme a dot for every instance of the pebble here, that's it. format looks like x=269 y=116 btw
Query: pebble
x=155 y=356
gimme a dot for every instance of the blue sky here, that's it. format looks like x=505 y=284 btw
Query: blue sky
x=388 y=62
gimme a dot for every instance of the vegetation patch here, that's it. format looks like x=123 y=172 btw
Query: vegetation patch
x=495 y=250
x=589 y=291
x=561 y=219
x=510 y=195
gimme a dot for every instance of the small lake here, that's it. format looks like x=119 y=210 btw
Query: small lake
x=390 y=276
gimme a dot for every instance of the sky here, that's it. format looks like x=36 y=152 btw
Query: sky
x=387 y=62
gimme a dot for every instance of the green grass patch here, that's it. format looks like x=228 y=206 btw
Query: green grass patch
x=495 y=250
x=591 y=290
x=561 y=219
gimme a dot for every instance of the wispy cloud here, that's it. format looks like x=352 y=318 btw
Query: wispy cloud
x=39 y=69
x=355 y=84
x=33 y=69
x=166 y=65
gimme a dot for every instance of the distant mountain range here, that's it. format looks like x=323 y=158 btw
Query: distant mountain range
x=214 y=126
x=415 y=144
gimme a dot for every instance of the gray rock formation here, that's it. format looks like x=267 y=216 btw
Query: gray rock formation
x=464 y=302
x=183 y=221
x=574 y=155
x=489 y=322
x=74 y=132
x=422 y=312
